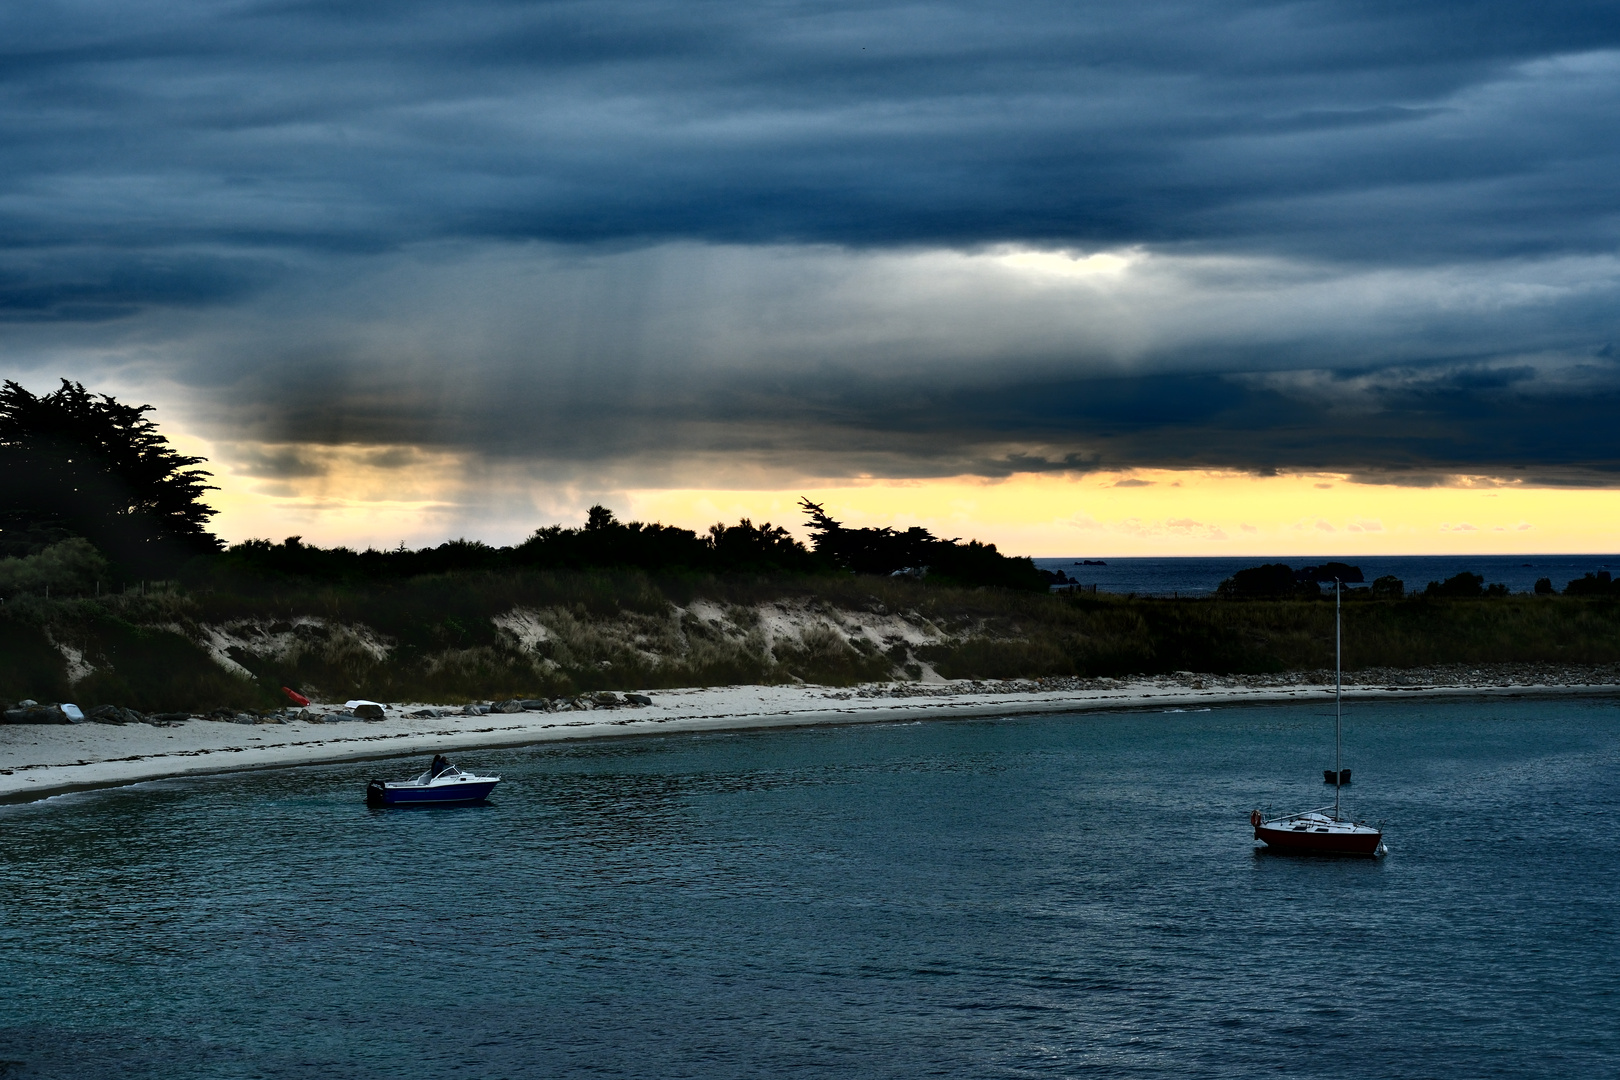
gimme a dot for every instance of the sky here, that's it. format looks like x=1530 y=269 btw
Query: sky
x=1118 y=278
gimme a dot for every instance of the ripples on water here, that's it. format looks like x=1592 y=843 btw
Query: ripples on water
x=1055 y=896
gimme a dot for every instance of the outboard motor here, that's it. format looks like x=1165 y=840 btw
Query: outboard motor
x=376 y=794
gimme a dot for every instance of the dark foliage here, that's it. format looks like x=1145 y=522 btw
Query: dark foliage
x=1598 y=584
x=918 y=551
x=444 y=642
x=1388 y=587
x=1277 y=581
x=1270 y=581
x=1463 y=586
x=293 y=559
x=604 y=542
x=1329 y=572
x=30 y=666
x=73 y=463
x=1544 y=587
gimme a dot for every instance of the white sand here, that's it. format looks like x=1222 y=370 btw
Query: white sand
x=40 y=760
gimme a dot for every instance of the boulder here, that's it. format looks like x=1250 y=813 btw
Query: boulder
x=536 y=705
x=115 y=714
x=606 y=699
x=638 y=699
x=474 y=710
x=513 y=706
x=36 y=714
x=369 y=710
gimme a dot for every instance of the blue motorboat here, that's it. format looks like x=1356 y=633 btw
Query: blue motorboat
x=442 y=784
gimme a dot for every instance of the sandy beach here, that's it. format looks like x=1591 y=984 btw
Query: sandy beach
x=37 y=761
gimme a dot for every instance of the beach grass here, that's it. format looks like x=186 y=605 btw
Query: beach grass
x=450 y=637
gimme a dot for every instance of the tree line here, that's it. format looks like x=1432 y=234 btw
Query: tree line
x=1279 y=581
x=84 y=470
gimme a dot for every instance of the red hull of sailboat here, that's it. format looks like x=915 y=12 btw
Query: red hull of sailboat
x=1322 y=843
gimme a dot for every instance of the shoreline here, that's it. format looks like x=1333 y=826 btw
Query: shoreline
x=41 y=761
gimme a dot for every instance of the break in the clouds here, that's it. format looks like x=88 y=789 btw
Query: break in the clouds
x=656 y=240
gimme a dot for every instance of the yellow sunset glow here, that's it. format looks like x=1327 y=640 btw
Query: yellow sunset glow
x=382 y=497
x=1192 y=513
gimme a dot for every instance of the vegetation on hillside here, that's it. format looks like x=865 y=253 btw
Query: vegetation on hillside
x=93 y=501
x=605 y=542
x=488 y=635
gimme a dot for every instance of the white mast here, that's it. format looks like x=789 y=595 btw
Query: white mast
x=1338 y=698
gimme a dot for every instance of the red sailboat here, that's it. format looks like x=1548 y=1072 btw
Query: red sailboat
x=1324 y=830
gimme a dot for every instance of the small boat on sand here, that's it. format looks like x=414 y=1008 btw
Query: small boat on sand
x=442 y=784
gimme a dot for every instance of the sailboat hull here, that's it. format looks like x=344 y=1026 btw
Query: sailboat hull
x=1337 y=839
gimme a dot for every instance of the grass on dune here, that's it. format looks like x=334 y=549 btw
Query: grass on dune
x=435 y=637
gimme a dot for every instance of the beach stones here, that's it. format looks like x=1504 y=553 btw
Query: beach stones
x=115 y=714
x=474 y=710
x=36 y=714
x=369 y=710
x=607 y=699
x=513 y=706
x=637 y=699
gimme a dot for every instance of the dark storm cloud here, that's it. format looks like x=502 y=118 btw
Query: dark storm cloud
x=168 y=160
x=1239 y=124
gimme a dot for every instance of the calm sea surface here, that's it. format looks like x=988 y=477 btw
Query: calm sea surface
x=1054 y=896
x=1197 y=577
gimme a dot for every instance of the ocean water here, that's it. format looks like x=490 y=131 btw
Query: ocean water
x=1199 y=577
x=1025 y=897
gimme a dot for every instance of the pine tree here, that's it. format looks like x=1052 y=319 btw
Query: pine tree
x=74 y=463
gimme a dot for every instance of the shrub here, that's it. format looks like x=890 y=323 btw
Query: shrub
x=1461 y=586
x=1598 y=584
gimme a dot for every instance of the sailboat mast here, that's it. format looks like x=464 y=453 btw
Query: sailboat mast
x=1338 y=696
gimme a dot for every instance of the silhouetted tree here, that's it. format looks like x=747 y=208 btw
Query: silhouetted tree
x=1268 y=582
x=746 y=546
x=1598 y=584
x=1544 y=586
x=1330 y=571
x=1463 y=586
x=1388 y=587
x=886 y=551
x=73 y=463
